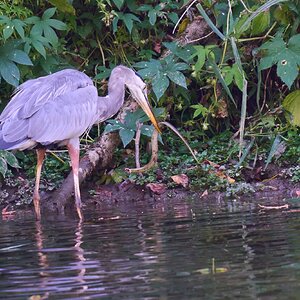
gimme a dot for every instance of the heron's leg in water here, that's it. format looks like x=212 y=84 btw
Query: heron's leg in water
x=73 y=148
x=36 y=196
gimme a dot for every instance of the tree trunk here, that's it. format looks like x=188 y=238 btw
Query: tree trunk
x=99 y=155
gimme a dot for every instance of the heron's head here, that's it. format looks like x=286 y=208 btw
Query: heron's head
x=138 y=90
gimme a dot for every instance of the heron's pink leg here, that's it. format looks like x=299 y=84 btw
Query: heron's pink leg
x=36 y=196
x=73 y=148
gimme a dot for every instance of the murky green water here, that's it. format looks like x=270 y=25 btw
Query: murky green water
x=154 y=250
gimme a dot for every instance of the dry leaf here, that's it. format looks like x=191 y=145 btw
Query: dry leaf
x=6 y=212
x=157 y=188
x=181 y=179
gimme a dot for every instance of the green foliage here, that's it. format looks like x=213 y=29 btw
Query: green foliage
x=127 y=130
x=161 y=72
x=10 y=56
x=215 y=82
x=285 y=55
x=295 y=173
x=291 y=103
x=63 y=6
x=128 y=20
x=7 y=158
x=28 y=32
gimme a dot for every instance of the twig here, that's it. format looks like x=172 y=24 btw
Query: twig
x=285 y=206
x=202 y=38
x=101 y=51
x=137 y=143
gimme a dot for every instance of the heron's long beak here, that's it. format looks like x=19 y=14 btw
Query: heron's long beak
x=141 y=98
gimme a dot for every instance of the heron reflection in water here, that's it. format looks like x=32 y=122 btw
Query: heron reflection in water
x=55 y=110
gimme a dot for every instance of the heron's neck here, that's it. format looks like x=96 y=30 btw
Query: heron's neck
x=116 y=94
x=114 y=100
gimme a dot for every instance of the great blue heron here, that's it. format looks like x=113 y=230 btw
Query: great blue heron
x=57 y=109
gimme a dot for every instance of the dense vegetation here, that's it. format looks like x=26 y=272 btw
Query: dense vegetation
x=226 y=72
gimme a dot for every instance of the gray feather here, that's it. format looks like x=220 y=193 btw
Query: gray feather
x=65 y=118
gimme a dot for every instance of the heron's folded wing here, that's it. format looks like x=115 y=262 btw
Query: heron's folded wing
x=65 y=118
x=30 y=96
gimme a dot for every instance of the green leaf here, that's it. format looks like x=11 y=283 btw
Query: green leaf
x=262 y=8
x=128 y=20
x=149 y=68
x=285 y=56
x=261 y=23
x=10 y=72
x=37 y=29
x=238 y=77
x=200 y=54
x=180 y=67
x=147 y=130
x=157 y=111
x=32 y=20
x=199 y=110
x=51 y=36
x=221 y=78
x=126 y=136
x=118 y=3
x=113 y=127
x=20 y=57
x=276 y=150
x=291 y=103
x=63 y=6
x=39 y=47
x=3 y=166
x=178 y=78
x=145 y=7
x=10 y=159
x=173 y=17
x=287 y=68
x=19 y=27
x=8 y=30
x=228 y=75
x=4 y=19
x=160 y=84
x=49 y=13
x=58 y=25
x=294 y=44
x=152 y=16
x=115 y=24
x=182 y=52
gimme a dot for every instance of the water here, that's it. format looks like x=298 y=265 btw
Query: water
x=177 y=249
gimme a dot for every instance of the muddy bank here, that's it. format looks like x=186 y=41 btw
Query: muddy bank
x=270 y=192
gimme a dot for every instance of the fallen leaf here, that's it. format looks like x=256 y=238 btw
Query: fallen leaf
x=7 y=213
x=211 y=163
x=157 y=188
x=181 y=179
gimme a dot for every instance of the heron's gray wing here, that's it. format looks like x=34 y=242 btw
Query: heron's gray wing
x=65 y=118
x=30 y=96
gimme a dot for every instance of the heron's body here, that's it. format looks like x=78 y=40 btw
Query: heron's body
x=54 y=109
x=58 y=109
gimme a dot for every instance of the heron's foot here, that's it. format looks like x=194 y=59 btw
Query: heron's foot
x=37 y=208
